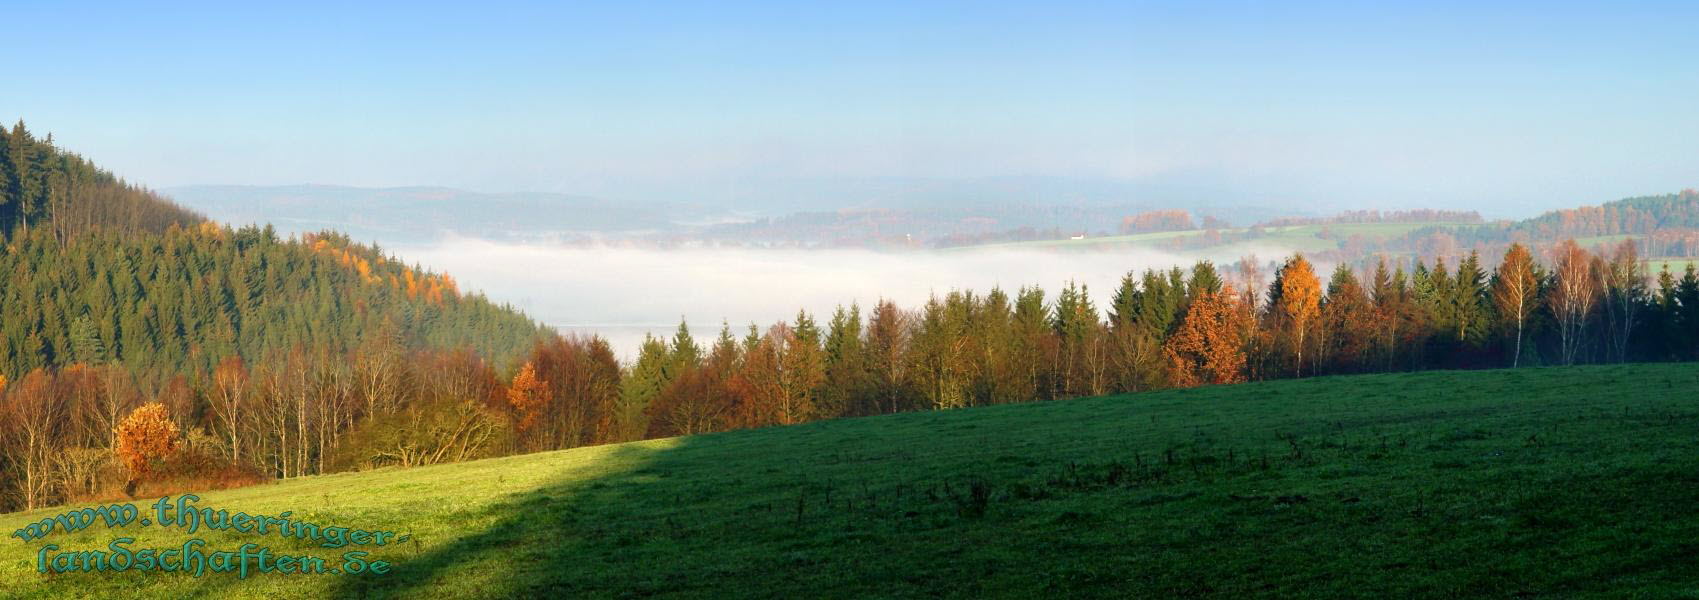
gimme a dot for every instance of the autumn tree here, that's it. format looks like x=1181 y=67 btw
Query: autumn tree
x=887 y=346
x=146 y=436
x=529 y=397
x=759 y=385
x=31 y=423
x=1347 y=323
x=1516 y=294
x=1206 y=348
x=1296 y=304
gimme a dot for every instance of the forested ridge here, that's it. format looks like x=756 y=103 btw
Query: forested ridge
x=114 y=298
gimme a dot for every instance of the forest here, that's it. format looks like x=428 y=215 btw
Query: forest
x=159 y=352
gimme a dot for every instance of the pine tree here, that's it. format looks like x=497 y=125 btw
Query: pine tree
x=1468 y=303
x=86 y=346
x=804 y=373
x=1204 y=280
x=846 y=363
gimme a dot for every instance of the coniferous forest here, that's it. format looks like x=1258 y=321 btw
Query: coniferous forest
x=145 y=349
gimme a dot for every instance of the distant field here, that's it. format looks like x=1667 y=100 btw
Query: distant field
x=1305 y=238
x=1535 y=482
x=1676 y=265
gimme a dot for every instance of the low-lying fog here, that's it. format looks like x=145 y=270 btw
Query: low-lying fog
x=623 y=293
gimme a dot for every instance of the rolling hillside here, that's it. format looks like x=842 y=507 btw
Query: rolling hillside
x=1532 y=482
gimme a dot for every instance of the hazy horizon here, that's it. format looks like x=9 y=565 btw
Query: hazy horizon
x=1509 y=109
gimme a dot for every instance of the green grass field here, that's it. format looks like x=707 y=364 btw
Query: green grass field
x=1303 y=238
x=1676 y=265
x=1533 y=482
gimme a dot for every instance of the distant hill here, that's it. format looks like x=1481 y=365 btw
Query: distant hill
x=424 y=214
x=1553 y=482
x=868 y=211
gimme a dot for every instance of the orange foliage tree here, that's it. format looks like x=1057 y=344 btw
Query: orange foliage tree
x=145 y=436
x=528 y=395
x=1207 y=349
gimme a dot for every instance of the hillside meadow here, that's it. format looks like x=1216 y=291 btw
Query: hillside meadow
x=1543 y=482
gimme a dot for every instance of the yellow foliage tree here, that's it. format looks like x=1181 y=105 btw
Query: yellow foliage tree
x=1516 y=293
x=1300 y=301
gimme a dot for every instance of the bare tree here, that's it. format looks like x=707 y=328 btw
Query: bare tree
x=1625 y=291
x=228 y=399
x=31 y=420
x=1516 y=293
x=1573 y=296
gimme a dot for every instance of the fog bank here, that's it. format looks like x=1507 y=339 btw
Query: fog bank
x=621 y=293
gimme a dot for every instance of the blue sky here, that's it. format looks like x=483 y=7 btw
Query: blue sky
x=1509 y=109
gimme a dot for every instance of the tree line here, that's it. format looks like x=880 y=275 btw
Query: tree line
x=1162 y=329
x=313 y=407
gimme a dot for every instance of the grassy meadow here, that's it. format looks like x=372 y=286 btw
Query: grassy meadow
x=1508 y=483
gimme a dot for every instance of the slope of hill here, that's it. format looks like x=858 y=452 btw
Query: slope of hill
x=179 y=302
x=61 y=192
x=1557 y=481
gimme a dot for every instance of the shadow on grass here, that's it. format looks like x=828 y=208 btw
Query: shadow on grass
x=548 y=541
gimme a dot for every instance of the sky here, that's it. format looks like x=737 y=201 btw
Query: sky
x=1509 y=109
